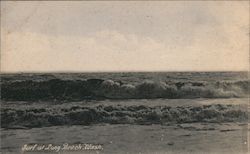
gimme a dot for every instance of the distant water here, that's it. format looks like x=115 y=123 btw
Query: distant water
x=76 y=87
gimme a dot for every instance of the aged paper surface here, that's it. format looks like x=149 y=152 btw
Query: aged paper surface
x=124 y=76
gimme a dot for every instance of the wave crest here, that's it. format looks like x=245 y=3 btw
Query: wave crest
x=136 y=114
x=56 y=89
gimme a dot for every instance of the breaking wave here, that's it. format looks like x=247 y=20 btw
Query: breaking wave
x=136 y=114
x=74 y=90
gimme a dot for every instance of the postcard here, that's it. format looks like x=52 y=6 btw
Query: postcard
x=125 y=77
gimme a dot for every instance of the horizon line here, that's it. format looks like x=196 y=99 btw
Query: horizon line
x=139 y=71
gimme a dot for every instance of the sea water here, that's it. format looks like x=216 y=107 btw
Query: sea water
x=178 y=112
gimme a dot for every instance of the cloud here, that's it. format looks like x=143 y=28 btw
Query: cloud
x=110 y=51
x=124 y=36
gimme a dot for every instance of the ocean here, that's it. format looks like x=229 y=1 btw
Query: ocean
x=132 y=112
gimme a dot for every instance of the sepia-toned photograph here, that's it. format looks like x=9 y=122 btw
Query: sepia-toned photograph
x=125 y=77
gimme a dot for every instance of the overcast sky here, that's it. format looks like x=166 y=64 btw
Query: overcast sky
x=124 y=36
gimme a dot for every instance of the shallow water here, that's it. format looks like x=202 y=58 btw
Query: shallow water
x=143 y=111
x=145 y=139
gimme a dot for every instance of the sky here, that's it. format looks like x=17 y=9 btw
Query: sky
x=92 y=36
